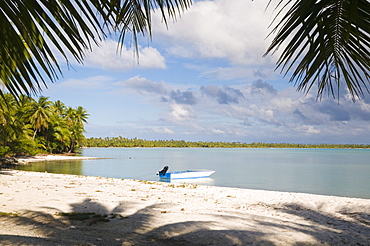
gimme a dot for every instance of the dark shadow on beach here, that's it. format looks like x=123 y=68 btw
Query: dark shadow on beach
x=349 y=228
x=103 y=227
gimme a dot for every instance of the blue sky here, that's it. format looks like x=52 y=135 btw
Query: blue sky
x=204 y=79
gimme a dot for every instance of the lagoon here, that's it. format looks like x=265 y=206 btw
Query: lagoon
x=339 y=172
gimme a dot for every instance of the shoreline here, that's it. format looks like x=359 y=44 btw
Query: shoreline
x=24 y=160
x=15 y=161
x=157 y=213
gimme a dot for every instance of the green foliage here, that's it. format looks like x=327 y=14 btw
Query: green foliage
x=5 y=214
x=134 y=142
x=326 y=43
x=4 y=150
x=33 y=33
x=30 y=127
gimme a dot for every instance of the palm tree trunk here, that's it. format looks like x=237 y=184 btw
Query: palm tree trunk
x=34 y=134
x=72 y=146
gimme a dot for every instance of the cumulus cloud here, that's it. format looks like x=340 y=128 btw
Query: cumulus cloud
x=224 y=95
x=299 y=114
x=162 y=130
x=185 y=97
x=180 y=113
x=109 y=57
x=235 y=30
x=334 y=112
x=162 y=91
x=307 y=129
x=238 y=72
x=143 y=86
x=260 y=87
x=247 y=110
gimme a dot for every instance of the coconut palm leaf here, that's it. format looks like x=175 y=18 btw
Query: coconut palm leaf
x=31 y=31
x=327 y=42
x=135 y=16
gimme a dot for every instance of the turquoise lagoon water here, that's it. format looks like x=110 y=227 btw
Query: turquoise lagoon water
x=339 y=172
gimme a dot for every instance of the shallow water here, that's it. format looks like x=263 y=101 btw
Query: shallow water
x=340 y=172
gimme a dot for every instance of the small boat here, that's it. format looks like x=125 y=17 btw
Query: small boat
x=184 y=174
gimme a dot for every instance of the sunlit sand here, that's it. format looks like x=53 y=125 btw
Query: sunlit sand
x=35 y=208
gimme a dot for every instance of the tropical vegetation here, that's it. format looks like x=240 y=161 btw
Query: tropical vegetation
x=34 y=33
x=31 y=126
x=135 y=142
x=326 y=44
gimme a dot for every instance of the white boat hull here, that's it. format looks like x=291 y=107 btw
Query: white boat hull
x=187 y=174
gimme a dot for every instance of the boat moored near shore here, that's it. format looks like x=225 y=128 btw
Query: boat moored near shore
x=184 y=174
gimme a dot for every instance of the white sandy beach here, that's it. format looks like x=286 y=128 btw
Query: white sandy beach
x=156 y=213
x=38 y=158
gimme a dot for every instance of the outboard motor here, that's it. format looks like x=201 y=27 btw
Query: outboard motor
x=163 y=171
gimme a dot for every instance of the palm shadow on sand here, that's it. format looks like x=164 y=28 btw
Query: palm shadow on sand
x=140 y=228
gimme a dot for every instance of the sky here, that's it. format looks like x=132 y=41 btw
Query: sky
x=204 y=78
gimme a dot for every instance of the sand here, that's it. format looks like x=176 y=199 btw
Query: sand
x=38 y=158
x=34 y=210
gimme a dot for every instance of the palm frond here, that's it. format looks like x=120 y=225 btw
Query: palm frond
x=31 y=31
x=135 y=16
x=327 y=43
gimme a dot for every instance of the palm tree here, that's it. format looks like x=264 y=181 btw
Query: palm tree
x=75 y=119
x=7 y=128
x=15 y=130
x=326 y=42
x=81 y=115
x=40 y=115
x=57 y=135
x=28 y=127
x=59 y=108
x=29 y=30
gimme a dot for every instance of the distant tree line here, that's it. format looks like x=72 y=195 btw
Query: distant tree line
x=29 y=126
x=135 y=142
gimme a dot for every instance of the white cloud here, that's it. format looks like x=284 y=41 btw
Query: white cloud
x=235 y=30
x=109 y=57
x=90 y=83
x=144 y=86
x=241 y=72
x=262 y=117
x=180 y=113
x=162 y=130
x=307 y=129
x=223 y=109
x=255 y=111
